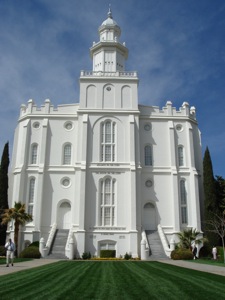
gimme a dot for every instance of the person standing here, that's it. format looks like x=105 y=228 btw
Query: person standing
x=214 y=252
x=10 y=248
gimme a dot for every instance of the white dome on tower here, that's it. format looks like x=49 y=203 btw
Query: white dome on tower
x=109 y=21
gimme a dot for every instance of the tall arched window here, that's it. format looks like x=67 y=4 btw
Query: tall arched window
x=107 y=202
x=183 y=202
x=108 y=141
x=181 y=156
x=67 y=154
x=34 y=150
x=148 y=155
x=31 y=196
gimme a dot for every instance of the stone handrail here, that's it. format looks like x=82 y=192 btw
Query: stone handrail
x=51 y=236
x=164 y=241
x=69 y=249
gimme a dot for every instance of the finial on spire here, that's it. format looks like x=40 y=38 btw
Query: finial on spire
x=110 y=12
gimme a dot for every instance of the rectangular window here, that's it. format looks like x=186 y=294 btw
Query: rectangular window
x=108 y=141
x=148 y=155
x=183 y=202
x=107 y=202
x=180 y=156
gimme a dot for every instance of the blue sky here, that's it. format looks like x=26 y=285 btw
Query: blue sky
x=177 y=47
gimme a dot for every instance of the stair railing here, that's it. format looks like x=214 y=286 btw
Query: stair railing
x=69 y=249
x=51 y=236
x=164 y=241
x=145 y=249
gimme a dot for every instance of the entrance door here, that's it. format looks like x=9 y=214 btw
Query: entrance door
x=149 y=217
x=64 y=216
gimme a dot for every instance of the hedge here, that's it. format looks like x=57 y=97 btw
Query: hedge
x=107 y=253
x=30 y=252
x=181 y=254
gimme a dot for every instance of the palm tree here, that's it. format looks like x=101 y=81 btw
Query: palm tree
x=189 y=237
x=20 y=217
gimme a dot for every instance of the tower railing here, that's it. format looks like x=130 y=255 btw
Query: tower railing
x=108 y=74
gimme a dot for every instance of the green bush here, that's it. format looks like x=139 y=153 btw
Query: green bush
x=127 y=256
x=86 y=255
x=34 y=244
x=181 y=254
x=2 y=251
x=30 y=252
x=205 y=251
x=220 y=253
x=107 y=253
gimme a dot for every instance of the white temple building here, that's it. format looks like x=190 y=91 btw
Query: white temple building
x=107 y=171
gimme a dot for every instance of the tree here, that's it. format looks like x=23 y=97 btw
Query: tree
x=217 y=226
x=188 y=237
x=19 y=216
x=210 y=200
x=4 y=190
x=209 y=184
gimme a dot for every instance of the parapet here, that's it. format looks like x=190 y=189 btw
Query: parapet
x=47 y=108
x=169 y=110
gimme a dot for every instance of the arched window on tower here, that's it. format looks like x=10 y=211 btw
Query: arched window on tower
x=67 y=154
x=107 y=202
x=34 y=151
x=108 y=145
x=31 y=196
x=183 y=202
x=148 y=155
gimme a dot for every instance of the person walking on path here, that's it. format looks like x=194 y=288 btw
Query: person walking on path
x=10 y=248
x=214 y=252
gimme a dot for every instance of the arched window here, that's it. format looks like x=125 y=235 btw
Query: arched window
x=148 y=155
x=31 y=196
x=183 y=202
x=181 y=156
x=107 y=202
x=108 y=141
x=34 y=150
x=67 y=154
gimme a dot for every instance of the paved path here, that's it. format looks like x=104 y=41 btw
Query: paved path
x=41 y=262
x=195 y=266
x=21 y=266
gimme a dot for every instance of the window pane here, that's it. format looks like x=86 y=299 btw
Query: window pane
x=180 y=156
x=183 y=192
x=34 y=154
x=67 y=155
x=184 y=215
x=107 y=153
x=31 y=191
x=107 y=216
x=108 y=132
x=148 y=155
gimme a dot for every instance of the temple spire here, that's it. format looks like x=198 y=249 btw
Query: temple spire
x=110 y=12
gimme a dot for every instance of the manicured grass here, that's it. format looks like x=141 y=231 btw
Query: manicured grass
x=111 y=280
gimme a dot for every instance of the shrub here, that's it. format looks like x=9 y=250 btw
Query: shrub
x=205 y=251
x=107 y=253
x=34 y=244
x=127 y=256
x=220 y=253
x=2 y=251
x=184 y=254
x=86 y=255
x=30 y=252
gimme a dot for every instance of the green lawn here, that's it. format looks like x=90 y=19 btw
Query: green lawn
x=111 y=280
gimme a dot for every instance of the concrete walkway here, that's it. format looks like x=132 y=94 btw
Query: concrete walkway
x=195 y=266
x=21 y=266
x=41 y=262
